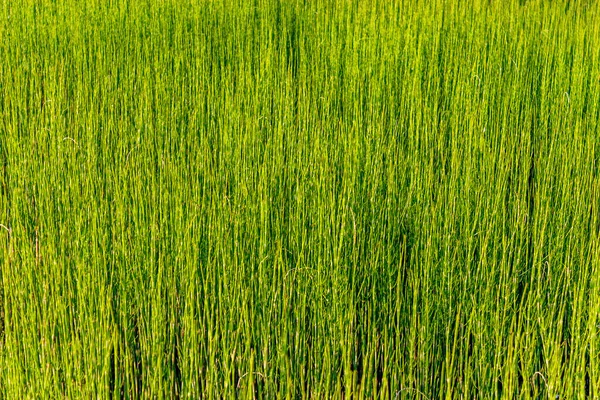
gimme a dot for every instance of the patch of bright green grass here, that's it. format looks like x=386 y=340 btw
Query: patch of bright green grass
x=288 y=199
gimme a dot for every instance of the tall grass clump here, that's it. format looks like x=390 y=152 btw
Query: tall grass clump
x=300 y=199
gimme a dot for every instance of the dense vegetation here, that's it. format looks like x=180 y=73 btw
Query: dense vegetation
x=318 y=199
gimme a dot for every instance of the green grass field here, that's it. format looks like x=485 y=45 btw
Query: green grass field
x=299 y=199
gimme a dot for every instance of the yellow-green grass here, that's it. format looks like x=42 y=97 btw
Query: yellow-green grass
x=299 y=199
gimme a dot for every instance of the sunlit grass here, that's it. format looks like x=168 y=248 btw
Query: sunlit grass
x=288 y=199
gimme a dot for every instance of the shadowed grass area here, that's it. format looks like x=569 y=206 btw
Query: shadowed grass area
x=289 y=199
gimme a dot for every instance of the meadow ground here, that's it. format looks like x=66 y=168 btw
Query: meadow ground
x=299 y=199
